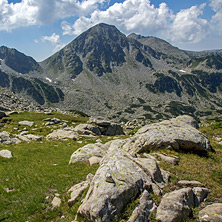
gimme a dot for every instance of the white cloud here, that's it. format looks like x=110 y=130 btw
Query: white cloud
x=217 y=18
x=187 y=26
x=32 y=12
x=142 y=17
x=54 y=38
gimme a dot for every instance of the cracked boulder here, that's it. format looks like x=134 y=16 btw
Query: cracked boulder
x=179 y=134
x=119 y=179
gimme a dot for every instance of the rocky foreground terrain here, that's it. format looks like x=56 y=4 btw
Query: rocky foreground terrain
x=141 y=176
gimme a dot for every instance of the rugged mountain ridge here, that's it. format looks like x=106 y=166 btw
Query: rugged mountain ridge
x=105 y=73
x=17 y=75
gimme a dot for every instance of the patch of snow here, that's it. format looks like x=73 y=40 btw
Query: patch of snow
x=48 y=79
x=182 y=70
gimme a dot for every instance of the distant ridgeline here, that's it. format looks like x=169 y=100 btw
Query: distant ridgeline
x=103 y=72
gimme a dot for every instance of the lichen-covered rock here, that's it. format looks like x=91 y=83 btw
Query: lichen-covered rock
x=168 y=159
x=175 y=133
x=61 y=134
x=56 y=202
x=30 y=137
x=94 y=160
x=211 y=213
x=88 y=129
x=142 y=212
x=6 y=154
x=78 y=189
x=176 y=205
x=87 y=151
x=119 y=179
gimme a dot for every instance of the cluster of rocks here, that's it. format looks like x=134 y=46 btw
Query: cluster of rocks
x=123 y=175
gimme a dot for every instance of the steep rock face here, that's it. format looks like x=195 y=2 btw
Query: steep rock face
x=18 y=61
x=33 y=88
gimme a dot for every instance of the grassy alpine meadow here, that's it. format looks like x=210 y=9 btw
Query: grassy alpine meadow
x=39 y=170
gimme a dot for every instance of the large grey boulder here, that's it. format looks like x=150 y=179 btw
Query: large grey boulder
x=87 y=129
x=175 y=133
x=6 y=154
x=176 y=205
x=88 y=151
x=211 y=213
x=61 y=134
x=142 y=212
x=119 y=179
x=106 y=127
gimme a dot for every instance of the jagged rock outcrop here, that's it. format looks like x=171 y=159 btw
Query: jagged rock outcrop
x=211 y=213
x=142 y=212
x=175 y=133
x=119 y=179
x=88 y=129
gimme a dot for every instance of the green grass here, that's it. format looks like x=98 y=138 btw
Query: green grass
x=40 y=169
x=33 y=175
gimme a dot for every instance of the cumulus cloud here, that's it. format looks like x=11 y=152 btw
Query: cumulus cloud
x=187 y=26
x=54 y=39
x=217 y=18
x=32 y=12
x=142 y=17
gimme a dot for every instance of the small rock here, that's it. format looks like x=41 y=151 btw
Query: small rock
x=189 y=182
x=26 y=123
x=6 y=154
x=168 y=159
x=211 y=213
x=56 y=202
x=201 y=194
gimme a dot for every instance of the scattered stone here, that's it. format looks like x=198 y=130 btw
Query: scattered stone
x=176 y=205
x=189 y=183
x=168 y=159
x=2 y=114
x=7 y=140
x=201 y=194
x=106 y=127
x=26 y=123
x=61 y=134
x=9 y=113
x=142 y=212
x=94 y=160
x=88 y=129
x=88 y=151
x=56 y=202
x=33 y=137
x=211 y=213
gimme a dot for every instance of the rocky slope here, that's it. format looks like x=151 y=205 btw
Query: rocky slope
x=105 y=73
x=135 y=77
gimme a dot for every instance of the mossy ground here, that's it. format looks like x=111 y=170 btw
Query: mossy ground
x=38 y=170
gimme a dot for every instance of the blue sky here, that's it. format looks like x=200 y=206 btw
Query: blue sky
x=40 y=28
